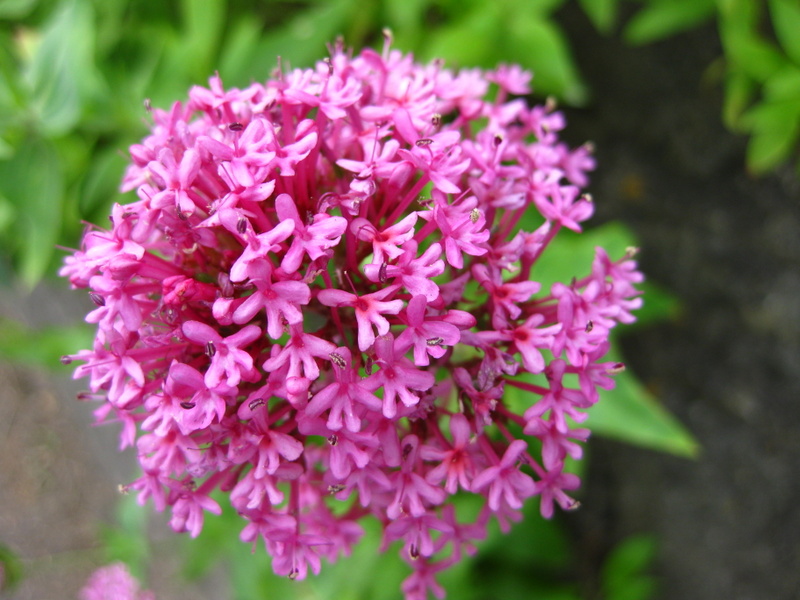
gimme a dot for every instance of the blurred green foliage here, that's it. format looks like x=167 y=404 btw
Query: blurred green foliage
x=74 y=75
x=759 y=70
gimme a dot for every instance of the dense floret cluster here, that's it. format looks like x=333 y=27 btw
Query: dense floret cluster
x=325 y=288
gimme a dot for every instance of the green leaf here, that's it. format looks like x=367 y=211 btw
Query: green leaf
x=571 y=254
x=753 y=56
x=539 y=45
x=786 y=23
x=784 y=85
x=739 y=92
x=32 y=182
x=623 y=574
x=16 y=9
x=62 y=74
x=769 y=148
x=602 y=13
x=662 y=18
x=204 y=21
x=10 y=569
x=304 y=39
x=128 y=541
x=100 y=186
x=772 y=116
x=41 y=347
x=631 y=414
x=466 y=42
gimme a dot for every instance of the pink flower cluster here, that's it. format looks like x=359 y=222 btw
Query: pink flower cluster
x=113 y=582
x=322 y=293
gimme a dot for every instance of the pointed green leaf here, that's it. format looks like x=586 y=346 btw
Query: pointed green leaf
x=631 y=414
x=62 y=74
x=32 y=182
x=786 y=23
x=602 y=13
x=539 y=45
x=662 y=18
x=739 y=92
x=753 y=56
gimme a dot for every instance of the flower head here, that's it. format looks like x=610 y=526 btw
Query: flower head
x=323 y=289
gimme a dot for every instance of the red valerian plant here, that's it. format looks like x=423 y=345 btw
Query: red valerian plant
x=318 y=301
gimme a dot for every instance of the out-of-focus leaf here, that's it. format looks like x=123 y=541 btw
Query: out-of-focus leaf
x=128 y=541
x=662 y=18
x=101 y=184
x=238 y=52
x=624 y=576
x=539 y=45
x=573 y=253
x=405 y=18
x=32 y=182
x=739 y=92
x=10 y=570
x=303 y=41
x=41 y=347
x=16 y=9
x=203 y=24
x=658 y=305
x=631 y=414
x=755 y=57
x=62 y=74
x=784 y=85
x=464 y=43
x=602 y=13
x=769 y=148
x=786 y=23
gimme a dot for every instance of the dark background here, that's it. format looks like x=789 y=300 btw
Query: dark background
x=728 y=245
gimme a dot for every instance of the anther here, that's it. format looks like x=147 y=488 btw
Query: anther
x=616 y=368
x=333 y=439
x=424 y=142
x=498 y=139
x=254 y=404
x=65 y=360
x=211 y=349
x=241 y=225
x=188 y=405
x=293 y=574
x=335 y=488
x=550 y=104
x=435 y=341
x=436 y=119
x=631 y=251
x=413 y=552
x=236 y=126
x=382 y=273
x=338 y=360
x=123 y=489
x=148 y=105
x=474 y=215
x=589 y=326
x=587 y=197
x=407 y=450
x=97 y=298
